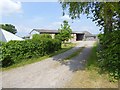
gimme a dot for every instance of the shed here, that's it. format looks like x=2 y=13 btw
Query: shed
x=6 y=36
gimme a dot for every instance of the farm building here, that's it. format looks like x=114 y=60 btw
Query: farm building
x=6 y=36
x=77 y=36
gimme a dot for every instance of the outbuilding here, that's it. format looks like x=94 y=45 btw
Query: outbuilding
x=6 y=36
x=77 y=36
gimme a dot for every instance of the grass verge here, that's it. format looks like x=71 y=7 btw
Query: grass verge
x=33 y=60
x=92 y=59
x=90 y=77
x=93 y=65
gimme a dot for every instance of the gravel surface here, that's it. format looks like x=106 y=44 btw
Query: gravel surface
x=49 y=73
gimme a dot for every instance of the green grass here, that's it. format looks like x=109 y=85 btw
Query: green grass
x=74 y=54
x=33 y=60
x=90 y=77
x=92 y=66
x=92 y=59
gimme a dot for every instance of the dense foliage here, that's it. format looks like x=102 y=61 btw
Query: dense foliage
x=16 y=51
x=41 y=36
x=109 y=53
x=107 y=16
x=64 y=32
x=9 y=28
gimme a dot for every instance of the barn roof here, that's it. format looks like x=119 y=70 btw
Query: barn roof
x=52 y=31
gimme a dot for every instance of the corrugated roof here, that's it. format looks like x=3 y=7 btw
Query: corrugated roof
x=87 y=33
x=46 y=31
x=53 y=31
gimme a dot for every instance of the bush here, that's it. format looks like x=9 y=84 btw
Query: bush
x=2 y=43
x=109 y=53
x=58 y=36
x=41 y=36
x=16 y=51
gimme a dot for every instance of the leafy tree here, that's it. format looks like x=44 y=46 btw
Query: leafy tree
x=58 y=36
x=9 y=28
x=64 y=32
x=107 y=16
x=41 y=36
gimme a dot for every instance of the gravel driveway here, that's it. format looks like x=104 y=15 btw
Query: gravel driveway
x=49 y=73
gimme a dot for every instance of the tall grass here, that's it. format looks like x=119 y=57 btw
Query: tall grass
x=92 y=59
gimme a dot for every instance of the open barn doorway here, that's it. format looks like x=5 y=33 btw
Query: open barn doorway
x=79 y=37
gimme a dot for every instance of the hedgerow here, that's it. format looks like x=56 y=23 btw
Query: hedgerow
x=109 y=53
x=16 y=51
x=41 y=36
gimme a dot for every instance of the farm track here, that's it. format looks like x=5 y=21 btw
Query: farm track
x=48 y=73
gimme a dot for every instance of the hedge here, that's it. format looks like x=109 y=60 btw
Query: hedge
x=109 y=53
x=16 y=51
x=41 y=36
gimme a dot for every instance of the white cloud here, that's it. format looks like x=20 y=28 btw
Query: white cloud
x=37 y=19
x=23 y=30
x=25 y=26
x=9 y=6
x=54 y=25
x=34 y=22
x=65 y=17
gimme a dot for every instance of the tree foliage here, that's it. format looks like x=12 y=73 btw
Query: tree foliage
x=107 y=16
x=64 y=32
x=109 y=53
x=41 y=36
x=9 y=28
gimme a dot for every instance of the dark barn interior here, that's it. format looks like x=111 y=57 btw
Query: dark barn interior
x=79 y=37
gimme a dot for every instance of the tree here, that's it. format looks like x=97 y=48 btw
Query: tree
x=64 y=32
x=41 y=36
x=107 y=16
x=9 y=28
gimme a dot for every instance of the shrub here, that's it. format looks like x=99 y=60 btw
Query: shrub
x=2 y=43
x=41 y=36
x=16 y=51
x=109 y=53
x=58 y=36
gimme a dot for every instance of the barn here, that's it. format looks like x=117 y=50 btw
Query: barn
x=77 y=36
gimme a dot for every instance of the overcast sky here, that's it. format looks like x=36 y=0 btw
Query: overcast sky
x=26 y=16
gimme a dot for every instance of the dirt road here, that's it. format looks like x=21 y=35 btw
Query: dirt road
x=49 y=73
